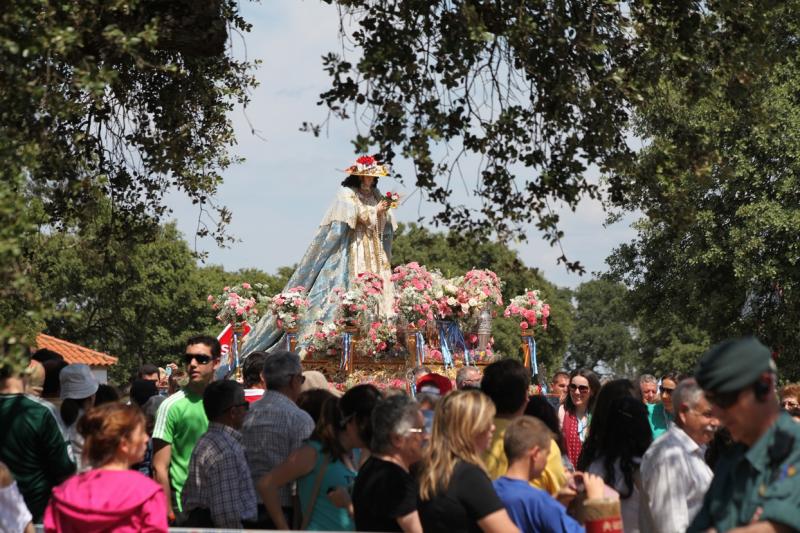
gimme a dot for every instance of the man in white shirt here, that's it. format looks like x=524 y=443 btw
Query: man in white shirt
x=675 y=476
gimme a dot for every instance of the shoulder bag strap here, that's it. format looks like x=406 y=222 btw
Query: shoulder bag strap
x=315 y=491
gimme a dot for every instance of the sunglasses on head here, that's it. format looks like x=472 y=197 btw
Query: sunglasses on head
x=581 y=388
x=201 y=359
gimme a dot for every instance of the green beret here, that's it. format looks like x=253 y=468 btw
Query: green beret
x=733 y=365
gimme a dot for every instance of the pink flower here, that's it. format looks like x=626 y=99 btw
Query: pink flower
x=210 y=298
x=523 y=325
x=226 y=289
x=420 y=323
x=240 y=311
x=280 y=323
x=246 y=286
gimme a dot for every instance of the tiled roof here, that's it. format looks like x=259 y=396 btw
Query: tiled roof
x=73 y=353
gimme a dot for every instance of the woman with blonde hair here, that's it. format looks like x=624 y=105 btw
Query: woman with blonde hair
x=455 y=492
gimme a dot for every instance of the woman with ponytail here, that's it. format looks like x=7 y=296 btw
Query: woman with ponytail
x=110 y=496
x=455 y=491
x=325 y=468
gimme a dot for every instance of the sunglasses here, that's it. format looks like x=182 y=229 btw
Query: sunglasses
x=582 y=388
x=201 y=359
x=417 y=430
x=666 y=390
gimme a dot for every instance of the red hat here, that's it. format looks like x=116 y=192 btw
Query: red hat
x=431 y=383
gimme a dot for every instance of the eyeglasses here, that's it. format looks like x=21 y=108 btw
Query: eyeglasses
x=582 y=388
x=723 y=400
x=201 y=359
x=666 y=390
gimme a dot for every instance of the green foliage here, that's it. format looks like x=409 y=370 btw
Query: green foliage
x=603 y=330
x=107 y=105
x=454 y=253
x=717 y=254
x=139 y=302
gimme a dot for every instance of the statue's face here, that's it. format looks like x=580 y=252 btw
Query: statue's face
x=367 y=181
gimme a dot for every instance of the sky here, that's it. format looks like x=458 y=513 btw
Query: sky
x=279 y=194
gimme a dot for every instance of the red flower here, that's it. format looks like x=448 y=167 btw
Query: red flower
x=366 y=160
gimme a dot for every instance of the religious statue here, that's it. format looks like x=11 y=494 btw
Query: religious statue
x=355 y=236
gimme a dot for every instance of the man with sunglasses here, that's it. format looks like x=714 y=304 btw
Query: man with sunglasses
x=181 y=420
x=756 y=485
x=214 y=495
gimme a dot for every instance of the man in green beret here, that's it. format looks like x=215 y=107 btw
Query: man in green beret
x=756 y=484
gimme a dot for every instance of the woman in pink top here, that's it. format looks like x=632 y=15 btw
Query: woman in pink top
x=110 y=497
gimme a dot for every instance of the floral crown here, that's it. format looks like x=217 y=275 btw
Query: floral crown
x=367 y=165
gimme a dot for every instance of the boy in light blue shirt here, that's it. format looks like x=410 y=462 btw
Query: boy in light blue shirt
x=527 y=443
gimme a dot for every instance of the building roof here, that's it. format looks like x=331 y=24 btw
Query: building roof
x=73 y=353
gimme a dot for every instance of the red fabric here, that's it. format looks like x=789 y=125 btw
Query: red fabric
x=573 y=440
x=441 y=382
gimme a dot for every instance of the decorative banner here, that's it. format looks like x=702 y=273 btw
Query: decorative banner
x=228 y=360
x=420 y=348
x=450 y=338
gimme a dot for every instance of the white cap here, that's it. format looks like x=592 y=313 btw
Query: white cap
x=77 y=382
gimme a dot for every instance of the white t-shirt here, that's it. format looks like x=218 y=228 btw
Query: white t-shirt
x=14 y=515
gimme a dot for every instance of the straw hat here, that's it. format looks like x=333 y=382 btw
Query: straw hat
x=367 y=165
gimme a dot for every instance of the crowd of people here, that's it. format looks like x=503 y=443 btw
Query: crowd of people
x=715 y=451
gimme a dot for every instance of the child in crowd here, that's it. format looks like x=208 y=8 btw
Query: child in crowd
x=527 y=443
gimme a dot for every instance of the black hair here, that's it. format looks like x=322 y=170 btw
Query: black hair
x=356 y=404
x=252 y=367
x=70 y=410
x=208 y=340
x=220 y=396
x=52 y=373
x=539 y=407
x=142 y=390
x=506 y=382
x=609 y=393
x=147 y=369
x=105 y=394
x=622 y=441
x=594 y=388
x=355 y=181
x=46 y=355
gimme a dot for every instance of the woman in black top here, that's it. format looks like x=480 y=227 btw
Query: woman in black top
x=456 y=493
x=385 y=494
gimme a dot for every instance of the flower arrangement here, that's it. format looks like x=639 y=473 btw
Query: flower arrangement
x=367 y=165
x=451 y=300
x=351 y=306
x=380 y=338
x=530 y=308
x=412 y=275
x=370 y=284
x=325 y=339
x=414 y=307
x=392 y=198
x=238 y=303
x=288 y=307
x=481 y=286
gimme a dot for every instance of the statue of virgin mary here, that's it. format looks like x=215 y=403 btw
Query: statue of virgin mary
x=355 y=236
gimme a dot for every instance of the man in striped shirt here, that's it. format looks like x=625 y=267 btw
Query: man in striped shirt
x=181 y=421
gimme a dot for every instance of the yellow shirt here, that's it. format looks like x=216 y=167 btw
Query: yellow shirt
x=551 y=480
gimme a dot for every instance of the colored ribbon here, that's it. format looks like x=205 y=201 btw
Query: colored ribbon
x=235 y=349
x=532 y=349
x=450 y=338
x=420 y=348
x=289 y=337
x=346 y=340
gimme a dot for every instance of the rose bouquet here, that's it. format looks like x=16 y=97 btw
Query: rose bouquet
x=451 y=300
x=380 y=339
x=326 y=338
x=288 y=307
x=415 y=307
x=392 y=198
x=412 y=275
x=481 y=286
x=370 y=284
x=531 y=309
x=238 y=303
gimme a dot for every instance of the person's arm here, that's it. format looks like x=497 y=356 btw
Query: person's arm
x=497 y=522
x=410 y=523
x=162 y=454
x=298 y=464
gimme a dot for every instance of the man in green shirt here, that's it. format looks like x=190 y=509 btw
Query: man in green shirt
x=756 y=484
x=32 y=444
x=181 y=421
